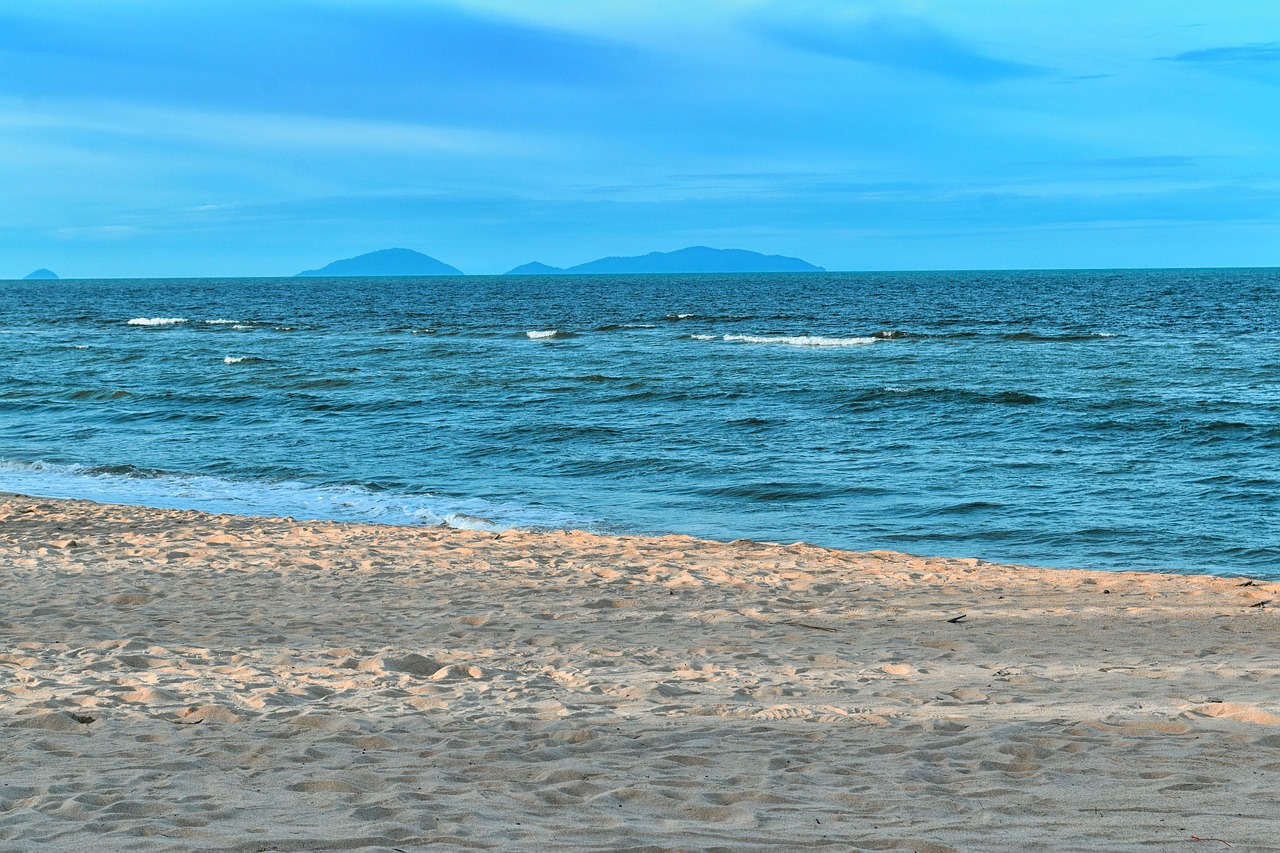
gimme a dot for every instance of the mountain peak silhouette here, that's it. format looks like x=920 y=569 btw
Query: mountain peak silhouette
x=385 y=262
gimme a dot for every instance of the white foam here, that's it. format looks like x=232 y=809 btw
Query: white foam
x=81 y=346
x=280 y=498
x=543 y=335
x=222 y=322
x=800 y=340
x=156 y=321
x=234 y=359
x=705 y=337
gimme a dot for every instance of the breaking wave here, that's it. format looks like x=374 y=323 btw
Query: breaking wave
x=156 y=321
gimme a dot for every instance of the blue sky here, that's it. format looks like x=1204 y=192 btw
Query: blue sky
x=262 y=138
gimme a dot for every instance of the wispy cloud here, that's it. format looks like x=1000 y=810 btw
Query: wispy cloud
x=96 y=232
x=892 y=41
x=379 y=59
x=1159 y=161
x=284 y=131
x=1261 y=52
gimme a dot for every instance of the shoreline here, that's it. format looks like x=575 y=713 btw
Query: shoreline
x=461 y=518
x=174 y=680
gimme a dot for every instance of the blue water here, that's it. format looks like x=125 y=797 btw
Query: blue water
x=1112 y=419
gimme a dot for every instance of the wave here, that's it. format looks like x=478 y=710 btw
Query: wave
x=98 y=394
x=548 y=335
x=773 y=492
x=222 y=322
x=1030 y=337
x=156 y=321
x=1064 y=337
x=797 y=340
x=127 y=484
x=241 y=359
x=892 y=393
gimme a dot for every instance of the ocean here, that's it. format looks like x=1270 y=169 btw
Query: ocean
x=1092 y=419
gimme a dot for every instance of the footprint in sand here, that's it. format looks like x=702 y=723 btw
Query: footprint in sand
x=782 y=712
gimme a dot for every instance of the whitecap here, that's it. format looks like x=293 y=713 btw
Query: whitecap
x=222 y=322
x=705 y=337
x=156 y=321
x=545 y=334
x=234 y=359
x=800 y=340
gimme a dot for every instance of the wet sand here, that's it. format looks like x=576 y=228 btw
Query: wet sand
x=180 y=681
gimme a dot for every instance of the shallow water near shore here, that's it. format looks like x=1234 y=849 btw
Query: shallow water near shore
x=1107 y=419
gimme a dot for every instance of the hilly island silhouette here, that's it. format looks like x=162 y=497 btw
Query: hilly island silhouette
x=692 y=259
x=385 y=262
x=695 y=259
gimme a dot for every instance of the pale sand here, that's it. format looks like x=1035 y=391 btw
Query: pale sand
x=181 y=681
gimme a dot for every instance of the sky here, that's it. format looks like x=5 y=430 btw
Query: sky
x=143 y=138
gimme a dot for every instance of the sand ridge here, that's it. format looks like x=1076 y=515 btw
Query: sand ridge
x=173 y=680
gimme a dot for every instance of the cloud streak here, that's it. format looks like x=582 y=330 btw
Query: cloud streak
x=893 y=42
x=284 y=131
x=1263 y=52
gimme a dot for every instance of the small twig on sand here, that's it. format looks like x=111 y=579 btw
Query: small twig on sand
x=958 y=619
x=1198 y=838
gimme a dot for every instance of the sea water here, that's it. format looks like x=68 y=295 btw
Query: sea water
x=1103 y=419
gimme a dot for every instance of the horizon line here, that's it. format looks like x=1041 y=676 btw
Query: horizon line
x=293 y=276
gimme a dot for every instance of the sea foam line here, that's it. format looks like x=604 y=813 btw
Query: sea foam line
x=156 y=321
x=167 y=490
x=790 y=340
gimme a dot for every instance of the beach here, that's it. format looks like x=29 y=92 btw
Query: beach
x=174 y=680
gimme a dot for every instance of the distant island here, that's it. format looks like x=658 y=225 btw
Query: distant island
x=41 y=274
x=386 y=262
x=692 y=259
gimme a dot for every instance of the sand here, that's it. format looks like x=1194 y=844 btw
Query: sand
x=180 y=681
